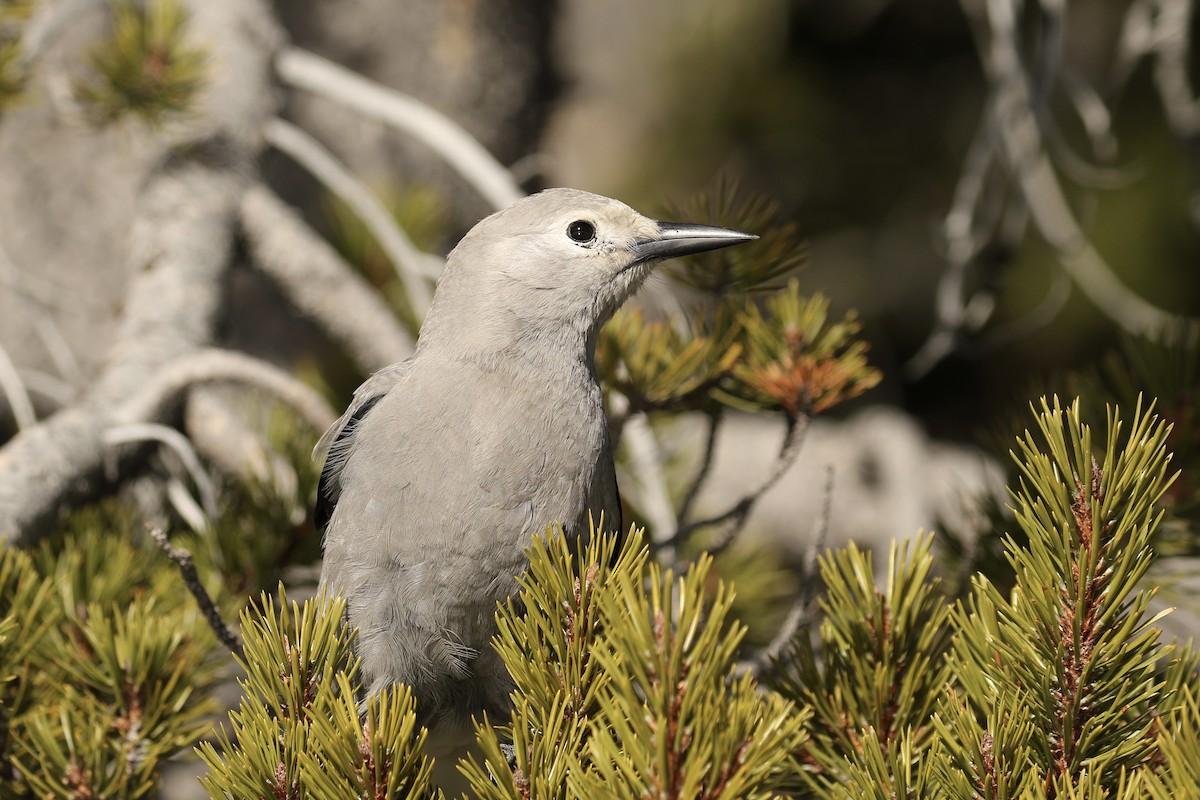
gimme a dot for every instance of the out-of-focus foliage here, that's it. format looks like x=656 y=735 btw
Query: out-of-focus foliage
x=147 y=68
x=12 y=73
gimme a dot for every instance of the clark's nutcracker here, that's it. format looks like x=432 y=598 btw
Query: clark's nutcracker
x=445 y=466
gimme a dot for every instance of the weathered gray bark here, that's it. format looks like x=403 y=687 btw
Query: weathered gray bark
x=180 y=244
x=122 y=237
x=320 y=285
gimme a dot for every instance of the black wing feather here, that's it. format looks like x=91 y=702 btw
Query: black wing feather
x=329 y=488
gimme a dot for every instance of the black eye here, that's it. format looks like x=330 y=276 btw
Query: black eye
x=581 y=231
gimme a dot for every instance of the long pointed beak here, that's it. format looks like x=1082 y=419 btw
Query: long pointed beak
x=682 y=238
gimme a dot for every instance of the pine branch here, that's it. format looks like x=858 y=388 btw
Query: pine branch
x=187 y=568
x=734 y=518
x=800 y=615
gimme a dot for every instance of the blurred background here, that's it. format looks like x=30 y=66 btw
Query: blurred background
x=857 y=116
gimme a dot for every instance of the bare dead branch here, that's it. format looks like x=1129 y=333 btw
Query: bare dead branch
x=213 y=365
x=185 y=505
x=445 y=137
x=801 y=611
x=187 y=568
x=1020 y=140
x=49 y=387
x=15 y=393
x=48 y=23
x=734 y=518
x=182 y=235
x=59 y=350
x=320 y=284
x=706 y=459
x=178 y=444
x=411 y=265
x=1171 y=44
x=645 y=464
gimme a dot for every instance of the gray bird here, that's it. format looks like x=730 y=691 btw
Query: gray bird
x=445 y=466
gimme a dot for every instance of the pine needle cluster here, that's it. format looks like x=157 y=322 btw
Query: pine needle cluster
x=749 y=343
x=628 y=687
x=146 y=68
x=300 y=730
x=1061 y=687
x=104 y=673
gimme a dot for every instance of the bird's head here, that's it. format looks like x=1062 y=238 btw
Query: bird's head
x=562 y=259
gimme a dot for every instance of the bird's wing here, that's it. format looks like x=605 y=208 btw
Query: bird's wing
x=337 y=442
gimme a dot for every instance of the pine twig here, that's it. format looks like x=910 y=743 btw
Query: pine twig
x=802 y=609
x=447 y=138
x=191 y=577
x=735 y=517
x=710 y=442
x=410 y=264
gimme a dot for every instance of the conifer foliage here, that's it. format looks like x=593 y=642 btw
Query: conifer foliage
x=299 y=731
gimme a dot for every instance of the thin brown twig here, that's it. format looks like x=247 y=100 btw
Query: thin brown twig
x=191 y=578
x=710 y=440
x=802 y=609
x=734 y=518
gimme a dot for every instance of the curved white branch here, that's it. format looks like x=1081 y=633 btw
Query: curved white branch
x=320 y=284
x=14 y=391
x=645 y=464
x=213 y=365
x=49 y=387
x=186 y=506
x=447 y=138
x=1021 y=142
x=59 y=350
x=177 y=443
x=411 y=265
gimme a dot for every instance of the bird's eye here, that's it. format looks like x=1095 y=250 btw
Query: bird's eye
x=581 y=231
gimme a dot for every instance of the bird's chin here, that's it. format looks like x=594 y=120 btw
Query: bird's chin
x=629 y=280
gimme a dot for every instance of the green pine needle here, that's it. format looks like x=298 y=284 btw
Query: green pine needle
x=795 y=359
x=146 y=68
x=754 y=267
x=298 y=731
x=627 y=685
